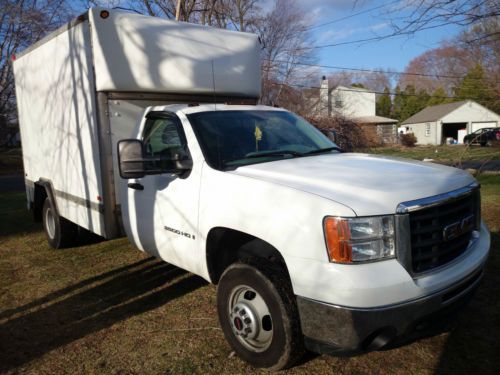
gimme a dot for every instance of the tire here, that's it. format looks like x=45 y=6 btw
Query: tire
x=258 y=315
x=60 y=232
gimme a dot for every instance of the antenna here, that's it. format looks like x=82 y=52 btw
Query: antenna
x=213 y=83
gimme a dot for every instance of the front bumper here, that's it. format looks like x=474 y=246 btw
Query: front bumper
x=331 y=329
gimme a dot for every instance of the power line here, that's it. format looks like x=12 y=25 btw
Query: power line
x=384 y=93
x=375 y=38
x=375 y=70
x=350 y=16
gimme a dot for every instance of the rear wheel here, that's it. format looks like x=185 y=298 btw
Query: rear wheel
x=258 y=314
x=60 y=232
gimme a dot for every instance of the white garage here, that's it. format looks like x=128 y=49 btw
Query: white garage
x=480 y=125
x=433 y=125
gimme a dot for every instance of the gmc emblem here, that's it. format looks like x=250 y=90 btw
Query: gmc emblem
x=457 y=229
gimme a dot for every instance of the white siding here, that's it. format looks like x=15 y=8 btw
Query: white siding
x=471 y=112
x=479 y=125
x=56 y=106
x=353 y=102
x=425 y=137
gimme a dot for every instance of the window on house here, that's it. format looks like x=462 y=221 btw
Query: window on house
x=338 y=103
x=428 y=129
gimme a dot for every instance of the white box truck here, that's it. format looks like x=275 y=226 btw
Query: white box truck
x=149 y=128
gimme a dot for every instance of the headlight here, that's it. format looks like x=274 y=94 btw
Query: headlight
x=351 y=240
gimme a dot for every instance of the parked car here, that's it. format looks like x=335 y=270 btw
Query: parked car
x=483 y=137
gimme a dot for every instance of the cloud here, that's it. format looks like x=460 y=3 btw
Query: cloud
x=337 y=34
x=379 y=26
x=338 y=5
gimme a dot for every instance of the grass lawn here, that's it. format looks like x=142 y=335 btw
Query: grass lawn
x=108 y=308
x=443 y=153
x=11 y=161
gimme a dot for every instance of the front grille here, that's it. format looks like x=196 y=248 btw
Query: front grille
x=431 y=247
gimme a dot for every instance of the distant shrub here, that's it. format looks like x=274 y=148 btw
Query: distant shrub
x=350 y=135
x=408 y=140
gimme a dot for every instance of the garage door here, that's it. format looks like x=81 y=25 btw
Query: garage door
x=480 y=125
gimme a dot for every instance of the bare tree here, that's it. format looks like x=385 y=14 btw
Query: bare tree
x=443 y=67
x=285 y=40
x=430 y=14
x=22 y=23
x=231 y=14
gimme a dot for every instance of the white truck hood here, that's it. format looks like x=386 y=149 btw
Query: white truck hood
x=368 y=184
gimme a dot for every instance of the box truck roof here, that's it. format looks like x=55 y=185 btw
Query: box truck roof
x=136 y=53
x=139 y=53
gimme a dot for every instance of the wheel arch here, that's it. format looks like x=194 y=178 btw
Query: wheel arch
x=226 y=246
x=43 y=189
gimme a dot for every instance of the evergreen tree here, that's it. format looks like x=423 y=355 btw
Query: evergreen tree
x=398 y=104
x=438 y=97
x=410 y=103
x=422 y=100
x=474 y=86
x=384 y=104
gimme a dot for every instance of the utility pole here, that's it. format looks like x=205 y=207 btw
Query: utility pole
x=178 y=10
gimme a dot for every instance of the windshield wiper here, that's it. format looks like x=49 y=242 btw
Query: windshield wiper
x=272 y=153
x=295 y=154
x=322 y=150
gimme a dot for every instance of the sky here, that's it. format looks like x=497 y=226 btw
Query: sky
x=392 y=53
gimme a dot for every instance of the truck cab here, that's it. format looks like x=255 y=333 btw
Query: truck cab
x=363 y=251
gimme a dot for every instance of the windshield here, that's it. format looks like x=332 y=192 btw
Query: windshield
x=233 y=138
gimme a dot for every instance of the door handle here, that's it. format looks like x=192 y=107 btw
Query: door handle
x=135 y=186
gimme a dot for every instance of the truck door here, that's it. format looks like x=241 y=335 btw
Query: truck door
x=161 y=211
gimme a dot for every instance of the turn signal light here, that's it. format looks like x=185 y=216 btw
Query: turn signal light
x=337 y=235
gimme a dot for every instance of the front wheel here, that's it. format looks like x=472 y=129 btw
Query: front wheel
x=258 y=315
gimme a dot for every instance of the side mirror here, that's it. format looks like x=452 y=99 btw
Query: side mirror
x=130 y=158
x=133 y=164
x=182 y=162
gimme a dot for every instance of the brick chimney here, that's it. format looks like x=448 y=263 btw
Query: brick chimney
x=324 y=98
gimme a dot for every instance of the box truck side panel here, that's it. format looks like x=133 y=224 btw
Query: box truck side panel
x=136 y=53
x=59 y=131
x=124 y=117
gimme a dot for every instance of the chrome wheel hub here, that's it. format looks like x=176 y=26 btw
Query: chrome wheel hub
x=250 y=319
x=244 y=321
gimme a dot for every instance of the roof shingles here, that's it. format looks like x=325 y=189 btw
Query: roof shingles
x=433 y=113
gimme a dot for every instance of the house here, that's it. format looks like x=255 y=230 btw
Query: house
x=433 y=125
x=356 y=104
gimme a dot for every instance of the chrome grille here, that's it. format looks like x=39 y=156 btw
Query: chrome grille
x=441 y=232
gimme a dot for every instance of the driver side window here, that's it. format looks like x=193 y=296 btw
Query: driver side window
x=163 y=137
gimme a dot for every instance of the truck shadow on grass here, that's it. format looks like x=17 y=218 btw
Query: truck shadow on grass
x=473 y=345
x=20 y=220
x=34 y=329
x=17 y=219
